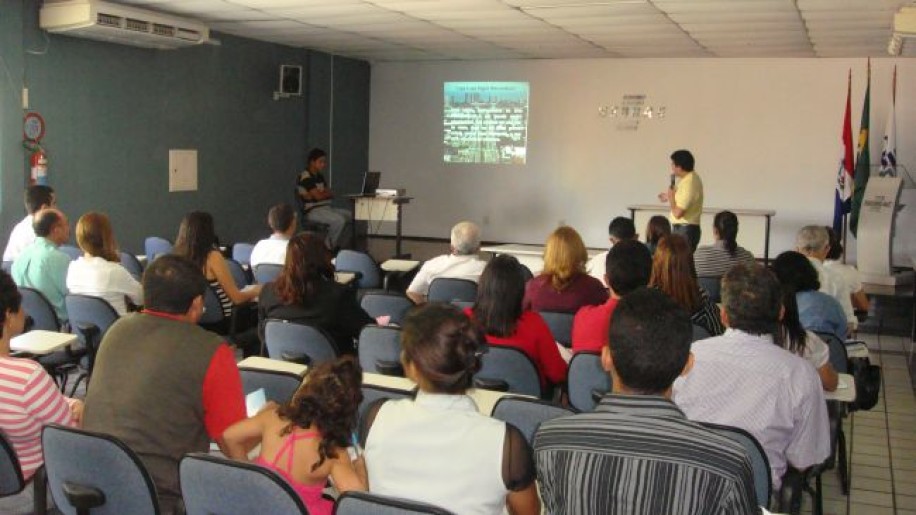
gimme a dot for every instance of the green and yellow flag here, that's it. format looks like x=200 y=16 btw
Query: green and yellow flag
x=863 y=161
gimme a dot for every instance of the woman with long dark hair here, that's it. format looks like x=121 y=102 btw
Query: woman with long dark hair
x=657 y=228
x=717 y=259
x=673 y=273
x=817 y=311
x=801 y=342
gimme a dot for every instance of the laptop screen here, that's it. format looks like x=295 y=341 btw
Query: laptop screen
x=371 y=182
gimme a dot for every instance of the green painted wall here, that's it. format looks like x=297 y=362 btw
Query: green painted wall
x=113 y=112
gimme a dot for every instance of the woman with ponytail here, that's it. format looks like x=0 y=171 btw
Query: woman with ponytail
x=438 y=448
x=717 y=259
x=305 y=440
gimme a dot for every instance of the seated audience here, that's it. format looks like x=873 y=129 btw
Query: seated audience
x=817 y=311
x=186 y=389
x=563 y=285
x=37 y=197
x=628 y=266
x=742 y=379
x=849 y=273
x=637 y=452
x=814 y=243
x=305 y=439
x=499 y=312
x=99 y=272
x=42 y=265
x=673 y=273
x=716 y=259
x=282 y=221
x=306 y=293
x=438 y=448
x=619 y=229
x=657 y=228
x=29 y=399
x=460 y=263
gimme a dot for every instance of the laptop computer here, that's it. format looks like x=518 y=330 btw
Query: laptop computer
x=370 y=183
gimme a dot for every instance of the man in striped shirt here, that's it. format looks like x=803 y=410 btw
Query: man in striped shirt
x=637 y=453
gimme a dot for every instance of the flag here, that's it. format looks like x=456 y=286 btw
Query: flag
x=863 y=161
x=843 y=193
x=889 y=151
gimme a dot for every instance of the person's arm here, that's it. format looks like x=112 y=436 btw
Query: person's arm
x=242 y=436
x=217 y=264
x=860 y=301
x=126 y=284
x=676 y=211
x=344 y=473
x=419 y=286
x=223 y=400
x=46 y=404
x=308 y=190
x=829 y=378
x=810 y=439
x=519 y=474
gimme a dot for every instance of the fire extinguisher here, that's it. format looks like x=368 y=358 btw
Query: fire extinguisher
x=38 y=162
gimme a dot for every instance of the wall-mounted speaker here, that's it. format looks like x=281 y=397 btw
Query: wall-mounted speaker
x=290 y=80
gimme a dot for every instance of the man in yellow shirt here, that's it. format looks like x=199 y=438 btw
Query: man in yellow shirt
x=685 y=199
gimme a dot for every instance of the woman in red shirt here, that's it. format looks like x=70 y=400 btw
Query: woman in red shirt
x=499 y=312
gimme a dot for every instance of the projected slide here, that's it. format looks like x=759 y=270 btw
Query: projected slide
x=485 y=122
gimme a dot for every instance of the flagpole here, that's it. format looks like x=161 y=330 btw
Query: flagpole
x=845 y=238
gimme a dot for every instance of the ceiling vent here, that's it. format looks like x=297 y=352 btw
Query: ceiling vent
x=114 y=23
x=904 y=28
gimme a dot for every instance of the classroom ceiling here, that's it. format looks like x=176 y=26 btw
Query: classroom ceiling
x=410 y=30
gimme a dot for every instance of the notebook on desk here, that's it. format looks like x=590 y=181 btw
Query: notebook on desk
x=370 y=183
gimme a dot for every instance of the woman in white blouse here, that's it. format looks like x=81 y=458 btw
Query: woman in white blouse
x=99 y=272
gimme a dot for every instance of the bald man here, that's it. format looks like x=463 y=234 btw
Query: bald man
x=41 y=265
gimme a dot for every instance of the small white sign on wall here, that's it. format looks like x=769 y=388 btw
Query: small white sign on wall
x=182 y=170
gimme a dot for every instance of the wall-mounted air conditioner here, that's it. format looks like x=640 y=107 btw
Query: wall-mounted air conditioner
x=105 y=21
x=904 y=28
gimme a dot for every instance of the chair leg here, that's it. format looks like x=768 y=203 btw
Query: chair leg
x=79 y=379
x=842 y=464
x=40 y=491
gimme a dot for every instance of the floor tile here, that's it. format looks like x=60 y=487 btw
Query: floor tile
x=868 y=509
x=872 y=485
x=906 y=502
x=902 y=463
x=871 y=472
x=872 y=498
x=872 y=450
x=874 y=461
x=901 y=475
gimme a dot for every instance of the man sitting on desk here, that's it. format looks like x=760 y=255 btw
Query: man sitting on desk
x=282 y=221
x=461 y=263
x=316 y=198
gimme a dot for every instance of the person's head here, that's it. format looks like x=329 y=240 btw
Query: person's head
x=196 y=237
x=648 y=343
x=51 y=224
x=282 y=219
x=725 y=228
x=12 y=316
x=628 y=266
x=329 y=399
x=673 y=271
x=95 y=237
x=564 y=256
x=835 y=250
x=175 y=285
x=795 y=272
x=441 y=348
x=752 y=300
x=681 y=162
x=657 y=228
x=465 y=239
x=317 y=160
x=500 y=291
x=39 y=197
x=813 y=241
x=621 y=228
x=308 y=261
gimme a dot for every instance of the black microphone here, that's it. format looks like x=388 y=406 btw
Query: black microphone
x=671 y=187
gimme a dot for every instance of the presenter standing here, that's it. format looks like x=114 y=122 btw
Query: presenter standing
x=685 y=198
x=316 y=198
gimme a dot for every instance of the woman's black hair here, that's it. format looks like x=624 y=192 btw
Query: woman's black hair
x=196 y=237
x=10 y=298
x=444 y=346
x=500 y=291
x=726 y=224
x=795 y=271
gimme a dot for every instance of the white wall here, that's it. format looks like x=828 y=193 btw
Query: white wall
x=765 y=133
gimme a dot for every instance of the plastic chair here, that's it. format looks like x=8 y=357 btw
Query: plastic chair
x=760 y=465
x=837 y=411
x=155 y=246
x=528 y=414
x=560 y=325
x=90 y=317
x=210 y=484
x=370 y=275
x=241 y=252
x=12 y=481
x=298 y=343
x=379 y=350
x=395 y=305
x=373 y=393
x=40 y=309
x=267 y=272
x=93 y=470
x=73 y=252
x=365 y=503
x=447 y=289
x=587 y=381
x=132 y=264
x=238 y=273
x=700 y=333
x=278 y=386
x=713 y=286
x=508 y=369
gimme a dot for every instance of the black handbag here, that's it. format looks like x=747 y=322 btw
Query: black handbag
x=868 y=383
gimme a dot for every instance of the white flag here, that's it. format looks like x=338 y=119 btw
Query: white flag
x=889 y=148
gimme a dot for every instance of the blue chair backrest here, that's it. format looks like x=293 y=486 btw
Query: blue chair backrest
x=238 y=273
x=40 y=309
x=11 y=480
x=218 y=485
x=838 y=355
x=371 y=394
x=512 y=366
x=365 y=503
x=394 y=305
x=155 y=246
x=586 y=378
x=713 y=286
x=266 y=272
x=378 y=344
x=282 y=337
x=760 y=465
x=528 y=414
x=278 y=386
x=86 y=309
x=447 y=289
x=132 y=265
x=241 y=252
x=560 y=325
x=353 y=261
x=72 y=252
x=700 y=333
x=99 y=461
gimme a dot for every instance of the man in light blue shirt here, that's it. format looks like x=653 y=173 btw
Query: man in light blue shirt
x=41 y=265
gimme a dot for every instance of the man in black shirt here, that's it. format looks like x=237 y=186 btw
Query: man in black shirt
x=316 y=196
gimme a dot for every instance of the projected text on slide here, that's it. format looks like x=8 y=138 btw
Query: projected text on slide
x=485 y=122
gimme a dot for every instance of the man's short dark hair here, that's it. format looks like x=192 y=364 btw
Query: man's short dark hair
x=751 y=297
x=171 y=283
x=649 y=341
x=683 y=159
x=628 y=266
x=281 y=217
x=316 y=154
x=44 y=222
x=37 y=196
x=622 y=228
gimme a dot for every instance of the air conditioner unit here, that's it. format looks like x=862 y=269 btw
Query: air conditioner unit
x=904 y=28
x=114 y=23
